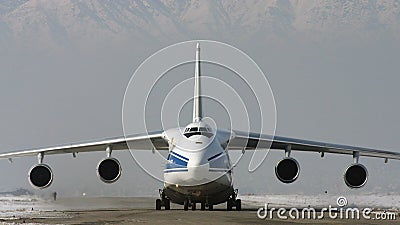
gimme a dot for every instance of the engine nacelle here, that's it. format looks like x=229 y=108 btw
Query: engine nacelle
x=109 y=170
x=287 y=170
x=356 y=176
x=40 y=176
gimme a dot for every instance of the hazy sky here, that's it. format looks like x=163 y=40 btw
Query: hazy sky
x=340 y=90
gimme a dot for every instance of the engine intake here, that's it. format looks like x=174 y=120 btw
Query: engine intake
x=356 y=176
x=287 y=170
x=109 y=170
x=40 y=176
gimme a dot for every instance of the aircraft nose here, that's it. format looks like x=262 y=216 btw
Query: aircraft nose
x=199 y=161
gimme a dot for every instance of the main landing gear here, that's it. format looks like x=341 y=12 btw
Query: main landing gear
x=163 y=202
x=233 y=201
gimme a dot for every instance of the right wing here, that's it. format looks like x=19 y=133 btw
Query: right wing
x=251 y=141
x=148 y=141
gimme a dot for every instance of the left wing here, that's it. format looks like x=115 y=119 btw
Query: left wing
x=251 y=141
x=149 y=141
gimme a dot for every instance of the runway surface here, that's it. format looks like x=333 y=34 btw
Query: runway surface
x=130 y=210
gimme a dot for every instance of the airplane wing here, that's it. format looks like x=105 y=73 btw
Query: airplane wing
x=251 y=141
x=149 y=141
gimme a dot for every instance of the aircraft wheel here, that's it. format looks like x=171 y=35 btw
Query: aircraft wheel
x=167 y=204
x=158 y=204
x=194 y=206
x=238 y=205
x=210 y=207
x=229 y=205
x=186 y=205
x=203 y=206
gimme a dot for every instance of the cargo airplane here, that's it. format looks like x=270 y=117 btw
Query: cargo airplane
x=198 y=167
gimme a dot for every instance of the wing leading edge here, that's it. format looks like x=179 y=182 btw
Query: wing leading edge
x=251 y=141
x=149 y=141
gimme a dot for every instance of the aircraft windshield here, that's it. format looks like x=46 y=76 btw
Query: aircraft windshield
x=198 y=131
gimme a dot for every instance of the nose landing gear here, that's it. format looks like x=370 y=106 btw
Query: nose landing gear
x=188 y=203
x=191 y=204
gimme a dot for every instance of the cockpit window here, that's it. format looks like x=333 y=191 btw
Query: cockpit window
x=203 y=129
x=189 y=134
x=197 y=131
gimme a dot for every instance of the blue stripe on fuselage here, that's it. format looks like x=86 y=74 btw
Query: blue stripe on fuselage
x=215 y=156
x=176 y=161
x=170 y=165
x=180 y=156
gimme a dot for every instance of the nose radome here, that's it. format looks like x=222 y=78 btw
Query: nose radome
x=198 y=161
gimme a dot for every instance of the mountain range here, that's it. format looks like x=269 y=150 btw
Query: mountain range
x=63 y=21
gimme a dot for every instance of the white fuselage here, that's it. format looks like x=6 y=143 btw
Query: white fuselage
x=198 y=167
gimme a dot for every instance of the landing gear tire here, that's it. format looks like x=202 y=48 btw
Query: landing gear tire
x=158 y=204
x=229 y=205
x=210 y=207
x=193 y=206
x=186 y=205
x=167 y=204
x=238 y=205
x=203 y=206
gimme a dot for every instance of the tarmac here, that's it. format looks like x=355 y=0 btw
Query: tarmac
x=140 y=210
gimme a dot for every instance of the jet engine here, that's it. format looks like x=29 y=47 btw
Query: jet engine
x=109 y=170
x=40 y=176
x=356 y=176
x=287 y=170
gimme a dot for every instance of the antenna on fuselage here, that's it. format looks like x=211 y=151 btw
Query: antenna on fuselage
x=197 y=108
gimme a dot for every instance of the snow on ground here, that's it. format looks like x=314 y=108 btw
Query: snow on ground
x=383 y=201
x=14 y=207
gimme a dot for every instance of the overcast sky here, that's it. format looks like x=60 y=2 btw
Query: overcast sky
x=340 y=90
